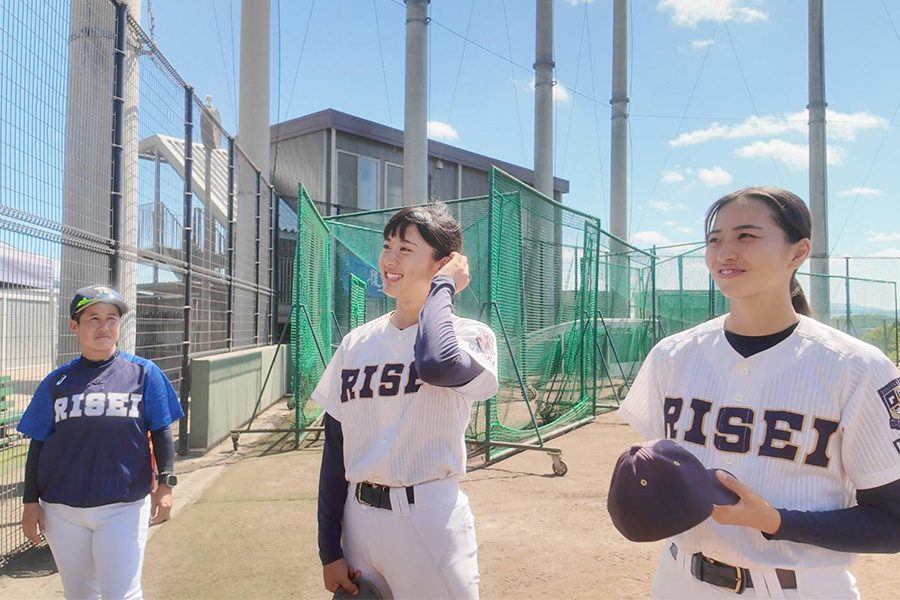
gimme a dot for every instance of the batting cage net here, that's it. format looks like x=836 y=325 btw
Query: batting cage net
x=311 y=312
x=575 y=309
x=566 y=300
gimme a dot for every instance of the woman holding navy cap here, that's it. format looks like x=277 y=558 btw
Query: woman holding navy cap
x=805 y=417
x=88 y=477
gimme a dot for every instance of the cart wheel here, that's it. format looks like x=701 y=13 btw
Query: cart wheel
x=560 y=467
x=235 y=437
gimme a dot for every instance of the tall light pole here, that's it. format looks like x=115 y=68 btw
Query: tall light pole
x=820 y=295
x=415 y=127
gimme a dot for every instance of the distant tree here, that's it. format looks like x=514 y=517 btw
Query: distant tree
x=885 y=338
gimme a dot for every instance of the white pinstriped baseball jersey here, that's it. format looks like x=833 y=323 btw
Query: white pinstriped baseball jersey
x=805 y=423
x=399 y=431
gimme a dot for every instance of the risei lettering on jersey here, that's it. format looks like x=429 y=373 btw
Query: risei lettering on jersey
x=731 y=430
x=97 y=404
x=388 y=379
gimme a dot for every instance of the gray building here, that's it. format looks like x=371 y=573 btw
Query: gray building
x=351 y=164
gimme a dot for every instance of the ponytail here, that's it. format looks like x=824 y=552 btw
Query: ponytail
x=798 y=298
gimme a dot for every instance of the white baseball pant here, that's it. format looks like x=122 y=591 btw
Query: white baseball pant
x=673 y=581
x=425 y=550
x=99 y=551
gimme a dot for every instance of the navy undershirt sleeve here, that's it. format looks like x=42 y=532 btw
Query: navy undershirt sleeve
x=31 y=493
x=332 y=492
x=164 y=449
x=439 y=359
x=872 y=526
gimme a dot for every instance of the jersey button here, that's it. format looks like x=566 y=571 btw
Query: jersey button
x=745 y=371
x=387 y=402
x=738 y=397
x=400 y=338
x=396 y=356
x=381 y=443
x=728 y=460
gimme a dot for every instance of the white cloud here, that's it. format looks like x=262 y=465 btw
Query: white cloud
x=670 y=223
x=878 y=237
x=665 y=206
x=859 y=191
x=560 y=93
x=646 y=239
x=672 y=177
x=714 y=177
x=701 y=44
x=794 y=156
x=688 y=13
x=841 y=126
x=686 y=230
x=577 y=2
x=441 y=131
x=889 y=253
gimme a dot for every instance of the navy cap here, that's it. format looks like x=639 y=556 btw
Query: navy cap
x=659 y=489
x=93 y=294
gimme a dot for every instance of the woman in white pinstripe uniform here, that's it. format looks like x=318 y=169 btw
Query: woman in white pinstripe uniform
x=805 y=417
x=398 y=394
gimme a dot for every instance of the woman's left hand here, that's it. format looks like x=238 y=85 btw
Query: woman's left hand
x=160 y=504
x=751 y=511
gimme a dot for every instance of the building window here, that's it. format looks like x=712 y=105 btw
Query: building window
x=357 y=181
x=393 y=185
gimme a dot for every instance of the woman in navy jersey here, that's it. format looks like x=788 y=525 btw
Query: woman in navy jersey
x=88 y=477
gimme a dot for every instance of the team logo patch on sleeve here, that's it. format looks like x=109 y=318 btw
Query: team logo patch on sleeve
x=484 y=344
x=890 y=394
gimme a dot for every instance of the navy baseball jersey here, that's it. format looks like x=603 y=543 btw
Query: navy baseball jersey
x=93 y=418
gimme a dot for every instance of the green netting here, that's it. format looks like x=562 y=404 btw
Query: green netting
x=311 y=308
x=544 y=278
x=575 y=309
x=357 y=301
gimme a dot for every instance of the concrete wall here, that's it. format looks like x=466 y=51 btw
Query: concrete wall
x=224 y=389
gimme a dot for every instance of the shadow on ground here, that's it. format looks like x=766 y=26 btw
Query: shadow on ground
x=35 y=562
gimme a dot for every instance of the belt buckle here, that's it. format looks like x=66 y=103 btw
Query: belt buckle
x=359 y=494
x=740 y=584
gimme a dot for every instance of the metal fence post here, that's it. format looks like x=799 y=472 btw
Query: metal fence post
x=712 y=298
x=681 y=289
x=188 y=242
x=115 y=194
x=847 y=292
x=256 y=262
x=896 y=328
x=653 y=316
x=229 y=313
x=274 y=261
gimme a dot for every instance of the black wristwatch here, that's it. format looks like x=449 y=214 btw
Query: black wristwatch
x=168 y=479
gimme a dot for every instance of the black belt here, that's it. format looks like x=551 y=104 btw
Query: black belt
x=733 y=579
x=379 y=496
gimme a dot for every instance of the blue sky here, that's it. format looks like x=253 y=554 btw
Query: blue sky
x=718 y=94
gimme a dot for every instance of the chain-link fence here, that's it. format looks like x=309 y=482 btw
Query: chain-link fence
x=113 y=171
x=862 y=296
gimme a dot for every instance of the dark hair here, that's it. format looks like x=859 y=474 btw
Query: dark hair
x=435 y=224
x=790 y=214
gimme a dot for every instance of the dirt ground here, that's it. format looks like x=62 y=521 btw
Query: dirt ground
x=252 y=533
